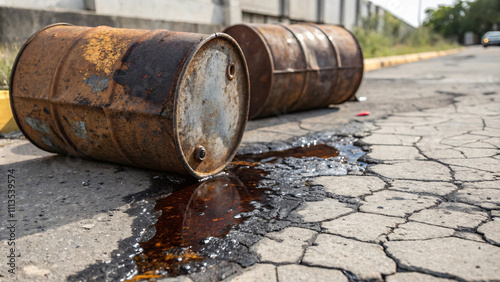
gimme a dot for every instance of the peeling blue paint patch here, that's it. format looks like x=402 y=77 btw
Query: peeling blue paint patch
x=37 y=125
x=80 y=129
x=97 y=83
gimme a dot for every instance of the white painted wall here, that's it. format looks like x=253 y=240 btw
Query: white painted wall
x=304 y=10
x=232 y=12
x=332 y=12
x=364 y=9
x=191 y=11
x=265 y=7
x=45 y=4
x=219 y=12
x=350 y=14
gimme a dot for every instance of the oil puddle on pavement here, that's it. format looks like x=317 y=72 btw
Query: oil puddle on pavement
x=207 y=228
x=191 y=217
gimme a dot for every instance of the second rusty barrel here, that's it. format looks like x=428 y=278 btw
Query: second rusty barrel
x=298 y=67
x=156 y=99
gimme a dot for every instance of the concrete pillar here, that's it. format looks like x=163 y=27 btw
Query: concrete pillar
x=190 y=11
x=304 y=10
x=380 y=15
x=364 y=11
x=232 y=12
x=342 y=13
x=332 y=12
x=321 y=12
x=358 y=13
x=350 y=14
x=285 y=8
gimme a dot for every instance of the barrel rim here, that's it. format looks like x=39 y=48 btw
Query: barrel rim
x=244 y=121
x=254 y=28
x=12 y=74
x=355 y=89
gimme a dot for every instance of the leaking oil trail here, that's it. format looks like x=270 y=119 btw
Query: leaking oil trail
x=320 y=150
x=191 y=216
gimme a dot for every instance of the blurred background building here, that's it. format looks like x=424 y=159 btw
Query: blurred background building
x=21 y=18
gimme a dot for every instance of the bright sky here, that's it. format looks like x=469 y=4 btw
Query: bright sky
x=408 y=9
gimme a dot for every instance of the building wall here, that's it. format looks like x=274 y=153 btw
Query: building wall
x=232 y=12
x=364 y=9
x=264 y=7
x=45 y=4
x=348 y=13
x=332 y=12
x=304 y=10
x=372 y=9
x=18 y=24
x=380 y=13
x=191 y=11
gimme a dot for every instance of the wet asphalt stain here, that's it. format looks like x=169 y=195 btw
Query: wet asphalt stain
x=489 y=93
x=452 y=94
x=205 y=229
x=318 y=150
x=462 y=58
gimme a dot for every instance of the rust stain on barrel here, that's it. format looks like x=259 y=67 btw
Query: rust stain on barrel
x=120 y=95
x=103 y=50
x=298 y=67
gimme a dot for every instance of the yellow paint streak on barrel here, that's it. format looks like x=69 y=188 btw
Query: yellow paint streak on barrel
x=102 y=51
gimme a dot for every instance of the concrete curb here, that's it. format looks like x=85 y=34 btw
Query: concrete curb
x=382 y=62
x=7 y=122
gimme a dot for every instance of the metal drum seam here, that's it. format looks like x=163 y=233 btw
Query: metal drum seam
x=306 y=60
x=270 y=51
x=111 y=95
x=53 y=86
x=339 y=61
x=11 y=79
x=305 y=70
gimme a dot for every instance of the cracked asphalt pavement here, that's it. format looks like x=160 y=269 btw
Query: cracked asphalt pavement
x=426 y=208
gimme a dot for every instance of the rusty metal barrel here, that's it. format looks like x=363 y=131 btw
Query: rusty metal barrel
x=156 y=99
x=299 y=66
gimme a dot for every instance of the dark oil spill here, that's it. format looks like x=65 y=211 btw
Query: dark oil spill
x=192 y=215
x=321 y=151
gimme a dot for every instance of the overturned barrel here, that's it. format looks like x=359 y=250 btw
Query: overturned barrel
x=298 y=67
x=155 y=99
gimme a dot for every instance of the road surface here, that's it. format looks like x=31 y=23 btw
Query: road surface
x=427 y=206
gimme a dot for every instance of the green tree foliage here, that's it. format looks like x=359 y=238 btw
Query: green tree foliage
x=7 y=57
x=477 y=16
x=482 y=15
x=387 y=36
